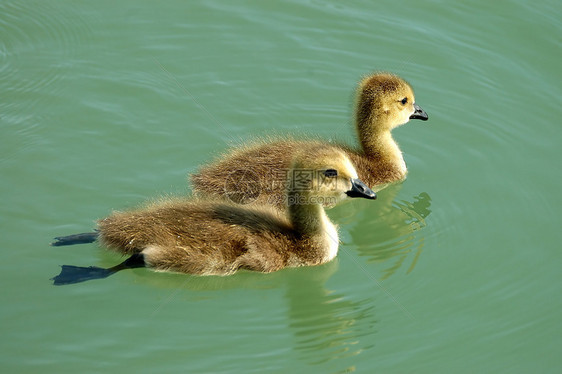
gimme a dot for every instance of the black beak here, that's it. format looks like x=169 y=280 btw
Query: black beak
x=419 y=113
x=360 y=189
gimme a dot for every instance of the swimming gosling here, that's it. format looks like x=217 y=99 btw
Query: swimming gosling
x=218 y=238
x=250 y=173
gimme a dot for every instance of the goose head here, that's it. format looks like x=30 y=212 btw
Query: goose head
x=385 y=101
x=325 y=176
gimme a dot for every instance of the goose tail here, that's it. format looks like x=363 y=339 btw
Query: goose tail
x=83 y=238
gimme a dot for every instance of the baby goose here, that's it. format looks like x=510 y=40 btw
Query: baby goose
x=384 y=102
x=218 y=238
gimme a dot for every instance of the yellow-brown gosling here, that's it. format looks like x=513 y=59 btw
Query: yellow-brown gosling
x=219 y=237
x=249 y=174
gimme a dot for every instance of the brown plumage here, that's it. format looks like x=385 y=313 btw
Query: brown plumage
x=203 y=237
x=249 y=174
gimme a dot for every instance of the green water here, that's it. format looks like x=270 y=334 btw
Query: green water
x=106 y=104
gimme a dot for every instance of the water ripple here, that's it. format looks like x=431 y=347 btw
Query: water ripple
x=38 y=44
x=387 y=234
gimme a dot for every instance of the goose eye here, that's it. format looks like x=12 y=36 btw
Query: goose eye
x=404 y=101
x=331 y=173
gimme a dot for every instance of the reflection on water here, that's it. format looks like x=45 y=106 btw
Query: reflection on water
x=388 y=230
x=400 y=224
x=240 y=280
x=327 y=326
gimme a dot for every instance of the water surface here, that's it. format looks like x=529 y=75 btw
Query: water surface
x=105 y=105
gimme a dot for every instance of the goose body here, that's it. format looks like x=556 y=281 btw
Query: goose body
x=383 y=102
x=217 y=238
x=206 y=238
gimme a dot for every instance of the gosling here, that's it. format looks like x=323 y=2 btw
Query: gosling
x=218 y=238
x=249 y=174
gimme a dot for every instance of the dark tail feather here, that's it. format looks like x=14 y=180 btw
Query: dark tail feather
x=86 y=237
x=76 y=274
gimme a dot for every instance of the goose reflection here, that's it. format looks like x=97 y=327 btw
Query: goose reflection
x=327 y=325
x=389 y=235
